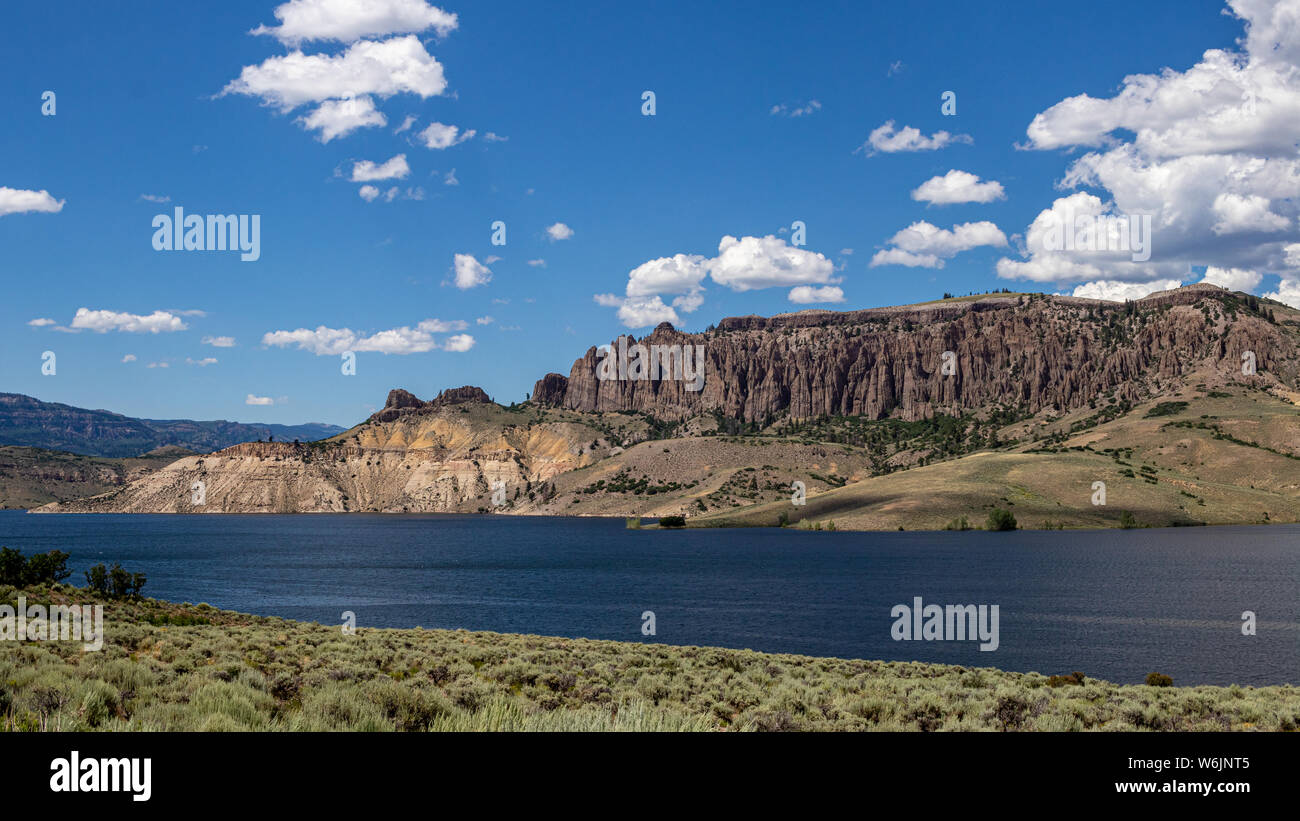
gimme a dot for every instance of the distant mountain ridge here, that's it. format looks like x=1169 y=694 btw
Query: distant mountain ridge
x=28 y=422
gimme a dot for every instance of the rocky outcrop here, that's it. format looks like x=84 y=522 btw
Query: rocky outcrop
x=457 y=396
x=1026 y=352
x=550 y=389
x=402 y=401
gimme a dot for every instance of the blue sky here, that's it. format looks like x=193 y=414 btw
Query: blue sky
x=764 y=115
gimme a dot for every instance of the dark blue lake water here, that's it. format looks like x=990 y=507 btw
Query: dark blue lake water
x=1114 y=604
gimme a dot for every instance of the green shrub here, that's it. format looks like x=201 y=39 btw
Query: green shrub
x=1159 y=680
x=1000 y=519
x=1166 y=409
x=1126 y=521
x=41 y=568
x=672 y=521
x=114 y=582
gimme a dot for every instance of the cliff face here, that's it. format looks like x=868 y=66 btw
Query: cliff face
x=445 y=455
x=1035 y=353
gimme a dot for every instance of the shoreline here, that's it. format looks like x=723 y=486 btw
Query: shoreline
x=710 y=524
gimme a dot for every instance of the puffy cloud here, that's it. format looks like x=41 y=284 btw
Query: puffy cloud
x=104 y=321
x=897 y=256
x=1229 y=102
x=559 y=231
x=1082 y=238
x=202 y=363
x=158 y=198
x=325 y=341
x=928 y=246
x=688 y=303
x=1288 y=293
x=470 y=272
x=368 y=193
x=458 y=343
x=1238 y=213
x=957 y=187
x=383 y=68
x=392 y=169
x=752 y=262
x=1234 y=279
x=886 y=140
x=259 y=400
x=339 y=118
x=484 y=320
x=1209 y=152
x=680 y=274
x=350 y=20
x=1120 y=291
x=744 y=264
x=438 y=136
x=640 y=311
x=129 y=358
x=40 y=322
x=806 y=294
x=219 y=341
x=19 y=201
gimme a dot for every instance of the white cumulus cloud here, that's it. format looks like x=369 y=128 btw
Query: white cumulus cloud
x=20 y=201
x=924 y=245
x=380 y=68
x=469 y=272
x=1234 y=279
x=339 y=118
x=350 y=20
x=104 y=321
x=958 y=187
x=1209 y=151
x=887 y=140
x=326 y=341
x=1121 y=291
x=392 y=169
x=807 y=295
x=439 y=136
x=744 y=264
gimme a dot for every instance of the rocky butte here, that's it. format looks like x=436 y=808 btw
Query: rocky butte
x=1033 y=351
